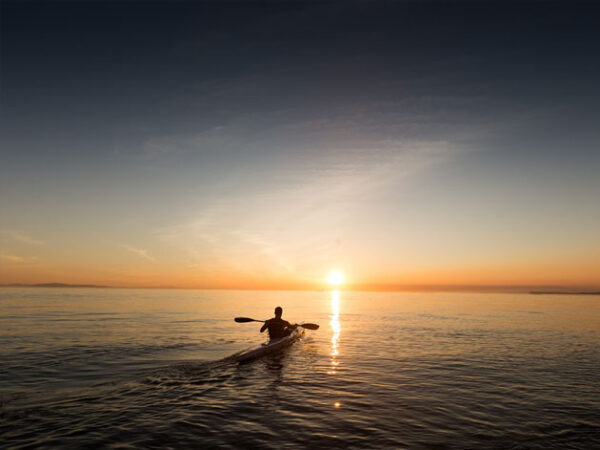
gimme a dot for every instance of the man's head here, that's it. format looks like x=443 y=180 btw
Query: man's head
x=278 y=312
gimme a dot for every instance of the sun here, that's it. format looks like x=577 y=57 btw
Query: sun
x=335 y=277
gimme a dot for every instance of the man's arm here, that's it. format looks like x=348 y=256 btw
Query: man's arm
x=265 y=326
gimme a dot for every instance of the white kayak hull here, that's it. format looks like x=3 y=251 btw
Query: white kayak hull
x=271 y=347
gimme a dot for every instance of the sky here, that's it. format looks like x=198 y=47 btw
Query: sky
x=412 y=144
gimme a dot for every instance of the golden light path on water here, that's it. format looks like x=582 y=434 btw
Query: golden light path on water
x=336 y=328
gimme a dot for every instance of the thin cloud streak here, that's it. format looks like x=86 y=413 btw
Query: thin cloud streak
x=141 y=253
x=20 y=237
x=16 y=259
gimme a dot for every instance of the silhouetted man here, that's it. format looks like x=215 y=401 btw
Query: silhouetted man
x=278 y=327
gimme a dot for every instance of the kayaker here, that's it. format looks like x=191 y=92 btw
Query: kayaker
x=278 y=327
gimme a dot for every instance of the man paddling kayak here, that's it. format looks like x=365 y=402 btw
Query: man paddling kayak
x=281 y=332
x=278 y=327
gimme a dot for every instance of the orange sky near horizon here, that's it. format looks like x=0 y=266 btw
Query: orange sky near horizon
x=573 y=274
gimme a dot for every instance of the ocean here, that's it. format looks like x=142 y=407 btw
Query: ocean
x=135 y=368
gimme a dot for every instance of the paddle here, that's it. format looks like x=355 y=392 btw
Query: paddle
x=308 y=326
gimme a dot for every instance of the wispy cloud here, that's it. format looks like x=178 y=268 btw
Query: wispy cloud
x=9 y=257
x=265 y=247
x=20 y=237
x=142 y=253
x=295 y=182
x=294 y=208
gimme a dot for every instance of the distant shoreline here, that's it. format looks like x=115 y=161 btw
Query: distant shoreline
x=473 y=289
x=55 y=285
x=564 y=293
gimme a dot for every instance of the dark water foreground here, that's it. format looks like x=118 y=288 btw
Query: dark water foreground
x=151 y=369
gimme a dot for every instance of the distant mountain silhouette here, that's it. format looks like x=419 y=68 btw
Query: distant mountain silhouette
x=54 y=285
x=565 y=292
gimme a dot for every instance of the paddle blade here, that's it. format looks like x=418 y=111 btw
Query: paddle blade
x=310 y=326
x=243 y=319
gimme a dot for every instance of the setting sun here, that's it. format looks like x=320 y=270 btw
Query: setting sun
x=335 y=277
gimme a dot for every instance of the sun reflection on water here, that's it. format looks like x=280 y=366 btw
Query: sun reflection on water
x=335 y=327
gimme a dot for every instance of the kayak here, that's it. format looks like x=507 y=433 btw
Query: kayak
x=272 y=346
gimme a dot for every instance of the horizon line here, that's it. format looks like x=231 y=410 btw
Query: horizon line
x=533 y=289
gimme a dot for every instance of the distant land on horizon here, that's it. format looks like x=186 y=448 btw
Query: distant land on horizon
x=55 y=285
x=535 y=290
x=565 y=292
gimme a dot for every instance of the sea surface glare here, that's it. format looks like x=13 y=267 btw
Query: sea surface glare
x=107 y=368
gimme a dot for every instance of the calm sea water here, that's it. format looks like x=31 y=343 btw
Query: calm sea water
x=153 y=369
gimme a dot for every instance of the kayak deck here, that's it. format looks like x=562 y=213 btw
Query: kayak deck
x=271 y=346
